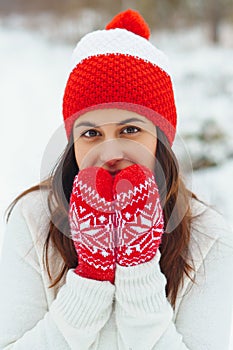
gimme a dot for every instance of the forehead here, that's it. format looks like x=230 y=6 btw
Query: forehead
x=112 y=116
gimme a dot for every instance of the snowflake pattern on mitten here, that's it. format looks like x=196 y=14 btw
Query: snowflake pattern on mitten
x=91 y=218
x=139 y=216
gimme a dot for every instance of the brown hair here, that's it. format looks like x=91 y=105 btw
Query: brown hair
x=174 y=248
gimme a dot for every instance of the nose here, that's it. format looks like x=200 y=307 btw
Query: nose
x=111 y=153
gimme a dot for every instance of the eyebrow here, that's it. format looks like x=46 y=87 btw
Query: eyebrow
x=126 y=121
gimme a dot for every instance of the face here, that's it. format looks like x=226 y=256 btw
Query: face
x=114 y=139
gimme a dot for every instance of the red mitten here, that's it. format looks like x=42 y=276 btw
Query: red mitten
x=91 y=217
x=139 y=216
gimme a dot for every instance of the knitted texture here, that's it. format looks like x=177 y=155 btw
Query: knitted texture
x=91 y=224
x=118 y=67
x=114 y=220
x=139 y=216
x=119 y=41
x=132 y=21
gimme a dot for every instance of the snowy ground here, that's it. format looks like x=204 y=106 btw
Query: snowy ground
x=33 y=73
x=203 y=80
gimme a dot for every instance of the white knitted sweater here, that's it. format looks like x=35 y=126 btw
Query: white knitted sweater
x=133 y=314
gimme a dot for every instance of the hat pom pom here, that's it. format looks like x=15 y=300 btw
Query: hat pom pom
x=130 y=20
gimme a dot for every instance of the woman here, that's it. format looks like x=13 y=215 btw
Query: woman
x=112 y=249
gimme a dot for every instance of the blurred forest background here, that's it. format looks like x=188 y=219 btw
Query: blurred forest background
x=37 y=38
x=159 y=14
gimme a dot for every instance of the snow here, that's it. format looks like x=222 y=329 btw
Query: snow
x=33 y=73
x=203 y=81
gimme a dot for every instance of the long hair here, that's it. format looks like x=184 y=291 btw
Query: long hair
x=175 y=254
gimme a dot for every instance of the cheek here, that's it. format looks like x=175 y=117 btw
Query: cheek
x=142 y=151
x=85 y=154
x=80 y=152
x=149 y=144
x=152 y=147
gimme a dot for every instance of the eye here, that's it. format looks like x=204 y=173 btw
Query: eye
x=90 y=133
x=131 y=130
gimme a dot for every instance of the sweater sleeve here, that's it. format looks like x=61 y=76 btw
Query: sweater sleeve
x=73 y=320
x=145 y=319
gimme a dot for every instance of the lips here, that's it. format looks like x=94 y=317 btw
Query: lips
x=115 y=170
x=114 y=173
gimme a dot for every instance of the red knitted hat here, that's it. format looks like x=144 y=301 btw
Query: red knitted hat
x=119 y=68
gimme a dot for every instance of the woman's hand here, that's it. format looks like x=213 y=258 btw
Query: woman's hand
x=91 y=217
x=139 y=216
x=114 y=220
